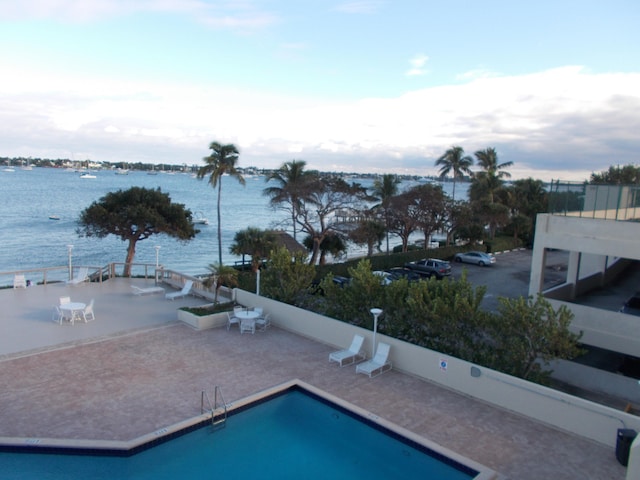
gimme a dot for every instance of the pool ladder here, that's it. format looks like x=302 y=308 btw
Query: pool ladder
x=218 y=409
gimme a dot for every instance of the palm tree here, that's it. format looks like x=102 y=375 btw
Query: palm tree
x=291 y=179
x=492 y=172
x=255 y=242
x=222 y=161
x=384 y=189
x=454 y=160
x=488 y=160
x=221 y=275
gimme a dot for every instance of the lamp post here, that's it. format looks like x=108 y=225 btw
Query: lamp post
x=376 y=312
x=69 y=250
x=157 y=253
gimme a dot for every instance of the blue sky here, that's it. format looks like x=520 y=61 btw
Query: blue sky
x=365 y=86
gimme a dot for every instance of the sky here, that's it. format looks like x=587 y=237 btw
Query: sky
x=371 y=86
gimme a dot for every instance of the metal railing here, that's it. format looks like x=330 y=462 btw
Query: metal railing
x=608 y=202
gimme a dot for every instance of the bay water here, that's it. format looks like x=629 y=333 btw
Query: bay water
x=30 y=239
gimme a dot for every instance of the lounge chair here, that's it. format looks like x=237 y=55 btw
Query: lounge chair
x=232 y=320
x=350 y=356
x=146 y=290
x=81 y=277
x=262 y=323
x=186 y=290
x=19 y=281
x=378 y=364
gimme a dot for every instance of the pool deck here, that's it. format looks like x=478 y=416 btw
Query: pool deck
x=135 y=370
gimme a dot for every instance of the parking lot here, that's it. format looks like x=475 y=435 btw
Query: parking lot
x=509 y=276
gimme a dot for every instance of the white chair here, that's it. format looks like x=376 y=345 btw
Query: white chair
x=57 y=316
x=19 y=281
x=232 y=320
x=378 y=364
x=146 y=290
x=186 y=290
x=351 y=355
x=64 y=300
x=258 y=310
x=262 y=323
x=247 y=325
x=81 y=277
x=87 y=313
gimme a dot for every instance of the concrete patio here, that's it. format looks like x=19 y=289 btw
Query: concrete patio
x=135 y=370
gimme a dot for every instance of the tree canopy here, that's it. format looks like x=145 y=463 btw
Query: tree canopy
x=134 y=215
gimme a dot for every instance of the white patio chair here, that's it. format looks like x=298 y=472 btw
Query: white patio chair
x=378 y=364
x=262 y=323
x=351 y=355
x=186 y=290
x=64 y=300
x=58 y=315
x=232 y=320
x=248 y=325
x=87 y=313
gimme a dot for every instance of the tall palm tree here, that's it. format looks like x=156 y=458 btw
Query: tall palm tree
x=488 y=161
x=291 y=179
x=222 y=161
x=492 y=172
x=384 y=189
x=454 y=161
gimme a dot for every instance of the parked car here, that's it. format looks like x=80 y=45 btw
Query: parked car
x=632 y=305
x=396 y=273
x=385 y=278
x=477 y=258
x=431 y=267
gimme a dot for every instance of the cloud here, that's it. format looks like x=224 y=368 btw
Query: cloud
x=242 y=16
x=417 y=66
x=561 y=123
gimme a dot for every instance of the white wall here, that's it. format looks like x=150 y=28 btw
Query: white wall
x=546 y=405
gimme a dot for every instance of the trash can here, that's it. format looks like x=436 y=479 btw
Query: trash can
x=626 y=436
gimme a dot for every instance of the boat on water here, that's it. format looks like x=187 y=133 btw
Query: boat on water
x=200 y=219
x=87 y=175
x=54 y=217
x=122 y=171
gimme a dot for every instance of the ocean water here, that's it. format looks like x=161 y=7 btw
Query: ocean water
x=29 y=239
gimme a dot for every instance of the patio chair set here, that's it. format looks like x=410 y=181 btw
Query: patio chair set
x=73 y=311
x=248 y=320
x=379 y=364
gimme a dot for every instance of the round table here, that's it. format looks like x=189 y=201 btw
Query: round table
x=74 y=309
x=247 y=320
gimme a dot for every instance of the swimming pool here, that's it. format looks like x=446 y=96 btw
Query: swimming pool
x=290 y=434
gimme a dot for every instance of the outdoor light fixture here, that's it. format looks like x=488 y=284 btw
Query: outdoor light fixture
x=157 y=253
x=69 y=250
x=376 y=312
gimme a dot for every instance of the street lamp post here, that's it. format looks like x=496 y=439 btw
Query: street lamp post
x=376 y=312
x=157 y=253
x=69 y=250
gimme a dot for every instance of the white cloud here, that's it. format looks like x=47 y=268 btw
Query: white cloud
x=417 y=64
x=562 y=120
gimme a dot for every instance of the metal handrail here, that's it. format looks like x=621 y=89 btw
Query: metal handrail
x=215 y=421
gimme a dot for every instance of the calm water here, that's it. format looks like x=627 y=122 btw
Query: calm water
x=290 y=437
x=30 y=239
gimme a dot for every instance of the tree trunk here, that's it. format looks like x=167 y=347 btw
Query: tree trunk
x=219 y=226
x=131 y=252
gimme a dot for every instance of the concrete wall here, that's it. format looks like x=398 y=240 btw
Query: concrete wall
x=543 y=404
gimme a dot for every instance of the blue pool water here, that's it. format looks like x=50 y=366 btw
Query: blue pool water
x=289 y=436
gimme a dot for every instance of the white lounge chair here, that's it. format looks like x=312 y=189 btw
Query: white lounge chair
x=186 y=289
x=232 y=320
x=19 y=281
x=146 y=290
x=87 y=313
x=81 y=277
x=350 y=356
x=378 y=364
x=262 y=323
